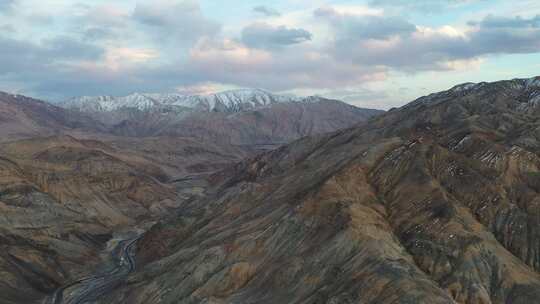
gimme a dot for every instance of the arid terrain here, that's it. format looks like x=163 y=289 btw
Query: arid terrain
x=270 y=152
x=70 y=183
x=434 y=202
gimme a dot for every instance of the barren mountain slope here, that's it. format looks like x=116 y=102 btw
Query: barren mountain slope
x=273 y=125
x=61 y=200
x=23 y=117
x=272 y=120
x=67 y=184
x=436 y=202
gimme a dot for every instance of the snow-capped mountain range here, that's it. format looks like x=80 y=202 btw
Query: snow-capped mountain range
x=228 y=101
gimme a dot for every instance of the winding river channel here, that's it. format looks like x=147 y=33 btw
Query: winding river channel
x=89 y=289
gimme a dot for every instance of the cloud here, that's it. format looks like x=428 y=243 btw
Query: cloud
x=499 y=35
x=353 y=27
x=6 y=5
x=40 y=66
x=7 y=28
x=424 y=6
x=505 y=22
x=201 y=88
x=170 y=45
x=99 y=24
x=266 y=11
x=182 y=19
x=262 y=35
x=17 y=55
x=97 y=33
x=231 y=62
x=397 y=44
x=504 y=35
x=64 y=47
x=106 y=49
x=105 y=15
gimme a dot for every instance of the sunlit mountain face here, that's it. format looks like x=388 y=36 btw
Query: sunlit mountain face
x=196 y=151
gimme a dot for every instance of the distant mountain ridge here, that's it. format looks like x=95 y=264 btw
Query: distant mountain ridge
x=227 y=101
x=239 y=117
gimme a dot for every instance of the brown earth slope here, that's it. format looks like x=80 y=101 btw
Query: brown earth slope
x=436 y=202
x=68 y=183
x=24 y=117
x=61 y=200
x=271 y=125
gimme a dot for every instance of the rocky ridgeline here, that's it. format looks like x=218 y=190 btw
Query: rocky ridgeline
x=436 y=202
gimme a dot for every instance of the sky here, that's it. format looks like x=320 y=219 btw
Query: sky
x=370 y=53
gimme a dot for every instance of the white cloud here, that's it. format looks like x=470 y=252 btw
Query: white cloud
x=343 y=50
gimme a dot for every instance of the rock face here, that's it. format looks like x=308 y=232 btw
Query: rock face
x=436 y=202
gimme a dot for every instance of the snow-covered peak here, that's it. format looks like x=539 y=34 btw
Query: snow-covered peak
x=228 y=101
x=463 y=87
x=137 y=100
x=234 y=100
x=109 y=103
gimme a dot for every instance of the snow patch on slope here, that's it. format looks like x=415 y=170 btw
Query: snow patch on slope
x=228 y=101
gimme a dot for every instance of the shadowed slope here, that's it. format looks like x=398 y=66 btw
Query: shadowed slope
x=23 y=117
x=436 y=202
x=61 y=199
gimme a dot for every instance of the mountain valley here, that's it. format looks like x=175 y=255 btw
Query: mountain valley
x=71 y=182
x=433 y=202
